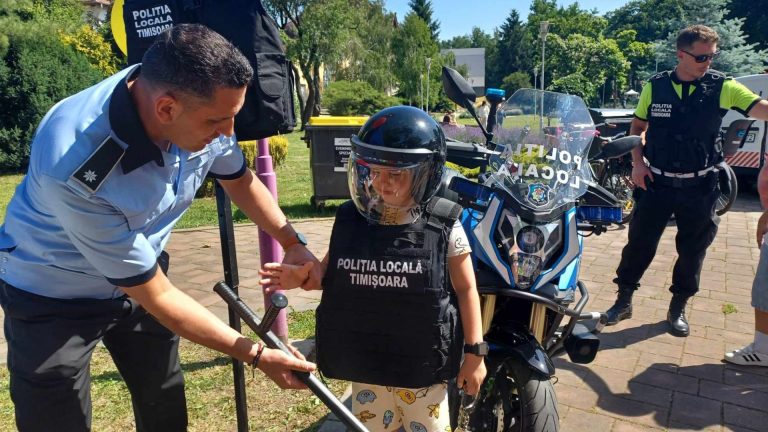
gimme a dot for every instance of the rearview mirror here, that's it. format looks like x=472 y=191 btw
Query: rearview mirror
x=458 y=89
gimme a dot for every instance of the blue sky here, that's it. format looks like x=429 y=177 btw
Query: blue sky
x=457 y=17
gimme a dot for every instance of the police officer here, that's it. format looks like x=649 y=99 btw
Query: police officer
x=680 y=112
x=112 y=169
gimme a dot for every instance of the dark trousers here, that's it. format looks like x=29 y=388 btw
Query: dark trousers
x=694 y=210
x=50 y=342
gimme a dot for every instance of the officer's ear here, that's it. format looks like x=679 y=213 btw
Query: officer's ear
x=167 y=108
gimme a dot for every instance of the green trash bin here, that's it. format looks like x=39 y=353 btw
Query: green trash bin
x=328 y=139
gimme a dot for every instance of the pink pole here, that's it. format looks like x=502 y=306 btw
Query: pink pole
x=269 y=248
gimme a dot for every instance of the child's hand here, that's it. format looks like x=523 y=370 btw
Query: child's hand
x=281 y=276
x=471 y=374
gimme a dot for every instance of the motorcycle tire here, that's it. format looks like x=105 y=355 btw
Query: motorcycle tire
x=621 y=186
x=725 y=201
x=515 y=399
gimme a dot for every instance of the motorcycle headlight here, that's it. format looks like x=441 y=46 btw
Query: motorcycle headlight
x=525 y=268
x=528 y=247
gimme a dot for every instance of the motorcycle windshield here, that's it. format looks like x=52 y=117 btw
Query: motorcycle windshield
x=544 y=139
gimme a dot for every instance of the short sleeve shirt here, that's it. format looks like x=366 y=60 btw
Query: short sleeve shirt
x=458 y=244
x=99 y=200
x=734 y=95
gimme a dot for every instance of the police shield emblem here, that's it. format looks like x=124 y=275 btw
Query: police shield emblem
x=538 y=194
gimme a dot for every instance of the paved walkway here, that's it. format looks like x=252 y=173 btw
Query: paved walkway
x=643 y=378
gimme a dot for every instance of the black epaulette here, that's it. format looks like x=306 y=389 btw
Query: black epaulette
x=660 y=75
x=92 y=173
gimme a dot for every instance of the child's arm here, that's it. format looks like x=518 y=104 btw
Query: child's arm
x=472 y=370
x=282 y=276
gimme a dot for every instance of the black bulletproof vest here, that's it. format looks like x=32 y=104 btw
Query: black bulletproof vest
x=683 y=134
x=387 y=315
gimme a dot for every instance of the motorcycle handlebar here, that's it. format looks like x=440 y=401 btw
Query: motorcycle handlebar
x=272 y=341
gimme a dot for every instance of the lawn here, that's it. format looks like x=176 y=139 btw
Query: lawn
x=209 y=390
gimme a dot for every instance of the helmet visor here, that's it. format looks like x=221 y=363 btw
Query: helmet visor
x=386 y=194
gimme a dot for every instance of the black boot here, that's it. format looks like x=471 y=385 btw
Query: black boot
x=678 y=323
x=622 y=309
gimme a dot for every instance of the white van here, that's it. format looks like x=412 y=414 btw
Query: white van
x=748 y=160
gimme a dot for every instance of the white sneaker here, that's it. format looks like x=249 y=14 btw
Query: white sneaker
x=747 y=356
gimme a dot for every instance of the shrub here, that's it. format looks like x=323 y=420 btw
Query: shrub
x=278 y=149
x=347 y=98
x=31 y=81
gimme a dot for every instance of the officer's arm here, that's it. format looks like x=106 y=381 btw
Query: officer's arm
x=190 y=320
x=638 y=127
x=255 y=200
x=760 y=111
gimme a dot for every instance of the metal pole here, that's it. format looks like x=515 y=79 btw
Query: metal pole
x=229 y=259
x=421 y=92
x=543 y=29
x=269 y=248
x=429 y=63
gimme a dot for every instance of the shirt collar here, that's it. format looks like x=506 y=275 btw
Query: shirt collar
x=126 y=125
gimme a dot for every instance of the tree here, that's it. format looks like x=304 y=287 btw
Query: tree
x=755 y=19
x=477 y=39
x=514 y=51
x=577 y=56
x=346 y=98
x=651 y=19
x=514 y=82
x=641 y=56
x=319 y=29
x=738 y=57
x=412 y=44
x=368 y=52
x=565 y=21
x=423 y=8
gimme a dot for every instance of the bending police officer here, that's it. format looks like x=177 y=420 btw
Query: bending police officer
x=111 y=171
x=680 y=112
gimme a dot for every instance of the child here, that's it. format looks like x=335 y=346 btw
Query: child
x=387 y=320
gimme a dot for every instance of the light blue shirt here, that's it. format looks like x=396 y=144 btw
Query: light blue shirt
x=99 y=200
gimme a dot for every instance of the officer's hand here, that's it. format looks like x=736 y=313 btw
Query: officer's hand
x=762 y=228
x=298 y=254
x=280 y=276
x=278 y=365
x=471 y=374
x=639 y=173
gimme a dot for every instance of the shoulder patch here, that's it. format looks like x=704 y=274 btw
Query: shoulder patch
x=92 y=173
x=659 y=75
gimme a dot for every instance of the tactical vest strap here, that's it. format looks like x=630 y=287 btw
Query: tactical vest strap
x=442 y=212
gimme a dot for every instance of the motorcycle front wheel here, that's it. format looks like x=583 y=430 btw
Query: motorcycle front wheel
x=514 y=398
x=725 y=201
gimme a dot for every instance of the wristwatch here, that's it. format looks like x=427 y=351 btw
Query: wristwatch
x=298 y=239
x=478 y=349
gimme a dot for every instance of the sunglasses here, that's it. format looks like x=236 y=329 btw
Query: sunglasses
x=703 y=57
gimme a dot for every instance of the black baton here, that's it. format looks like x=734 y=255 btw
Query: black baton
x=272 y=341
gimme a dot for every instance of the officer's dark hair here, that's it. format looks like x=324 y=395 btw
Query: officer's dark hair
x=193 y=59
x=696 y=33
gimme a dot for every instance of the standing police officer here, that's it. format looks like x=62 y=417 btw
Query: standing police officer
x=111 y=171
x=680 y=112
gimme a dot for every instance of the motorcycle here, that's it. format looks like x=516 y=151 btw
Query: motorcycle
x=615 y=175
x=525 y=220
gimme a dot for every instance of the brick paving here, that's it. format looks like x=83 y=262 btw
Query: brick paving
x=643 y=379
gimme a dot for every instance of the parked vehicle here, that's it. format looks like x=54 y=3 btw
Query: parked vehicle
x=525 y=220
x=750 y=155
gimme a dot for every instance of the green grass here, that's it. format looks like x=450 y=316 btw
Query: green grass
x=8 y=185
x=729 y=308
x=209 y=390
